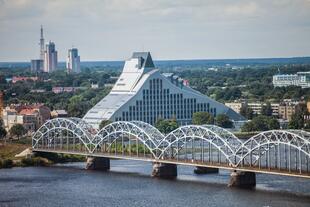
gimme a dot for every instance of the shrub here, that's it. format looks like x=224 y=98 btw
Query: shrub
x=6 y=163
x=36 y=161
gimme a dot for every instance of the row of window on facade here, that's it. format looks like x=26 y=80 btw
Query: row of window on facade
x=158 y=102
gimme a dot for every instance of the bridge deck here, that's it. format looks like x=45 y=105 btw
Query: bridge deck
x=149 y=158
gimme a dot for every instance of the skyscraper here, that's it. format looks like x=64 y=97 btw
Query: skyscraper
x=73 y=61
x=50 y=58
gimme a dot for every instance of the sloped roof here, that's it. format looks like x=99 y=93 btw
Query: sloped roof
x=147 y=61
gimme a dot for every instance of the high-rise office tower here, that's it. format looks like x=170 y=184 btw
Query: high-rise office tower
x=73 y=61
x=50 y=58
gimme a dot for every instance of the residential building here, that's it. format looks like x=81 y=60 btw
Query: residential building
x=59 y=113
x=286 y=110
x=255 y=106
x=1 y=104
x=73 y=61
x=50 y=58
x=37 y=65
x=275 y=109
x=301 y=79
x=30 y=116
x=23 y=78
x=143 y=93
x=94 y=85
x=308 y=106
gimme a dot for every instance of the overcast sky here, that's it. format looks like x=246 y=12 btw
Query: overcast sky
x=170 y=29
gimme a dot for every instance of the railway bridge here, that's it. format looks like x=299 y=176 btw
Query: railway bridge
x=206 y=147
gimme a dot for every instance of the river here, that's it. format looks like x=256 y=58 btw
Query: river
x=129 y=183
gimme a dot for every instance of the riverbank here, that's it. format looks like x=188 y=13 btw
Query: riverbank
x=8 y=150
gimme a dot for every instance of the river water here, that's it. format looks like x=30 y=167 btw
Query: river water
x=129 y=184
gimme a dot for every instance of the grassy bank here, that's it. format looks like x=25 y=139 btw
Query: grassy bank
x=8 y=150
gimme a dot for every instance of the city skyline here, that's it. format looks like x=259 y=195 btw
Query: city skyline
x=110 y=30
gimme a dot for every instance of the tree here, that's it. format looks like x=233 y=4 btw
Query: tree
x=166 y=125
x=77 y=106
x=266 y=110
x=104 y=123
x=200 y=118
x=17 y=130
x=261 y=123
x=247 y=112
x=273 y=123
x=2 y=130
x=307 y=124
x=223 y=120
x=297 y=119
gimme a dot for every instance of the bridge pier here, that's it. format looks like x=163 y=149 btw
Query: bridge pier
x=242 y=179
x=98 y=163
x=164 y=170
x=205 y=170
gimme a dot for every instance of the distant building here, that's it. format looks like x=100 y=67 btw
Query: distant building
x=37 y=65
x=301 y=79
x=308 y=106
x=50 y=58
x=37 y=91
x=66 y=89
x=94 y=85
x=1 y=103
x=275 y=109
x=236 y=106
x=73 y=61
x=59 y=113
x=23 y=78
x=286 y=110
x=30 y=116
x=255 y=106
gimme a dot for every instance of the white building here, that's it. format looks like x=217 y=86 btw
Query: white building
x=301 y=79
x=50 y=58
x=143 y=93
x=73 y=61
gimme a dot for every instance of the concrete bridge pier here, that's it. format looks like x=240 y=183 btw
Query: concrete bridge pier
x=242 y=179
x=205 y=170
x=164 y=170
x=98 y=163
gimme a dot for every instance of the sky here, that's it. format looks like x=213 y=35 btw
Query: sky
x=179 y=29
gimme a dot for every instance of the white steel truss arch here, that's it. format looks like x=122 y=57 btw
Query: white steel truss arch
x=110 y=133
x=78 y=127
x=177 y=140
x=151 y=130
x=232 y=139
x=257 y=146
